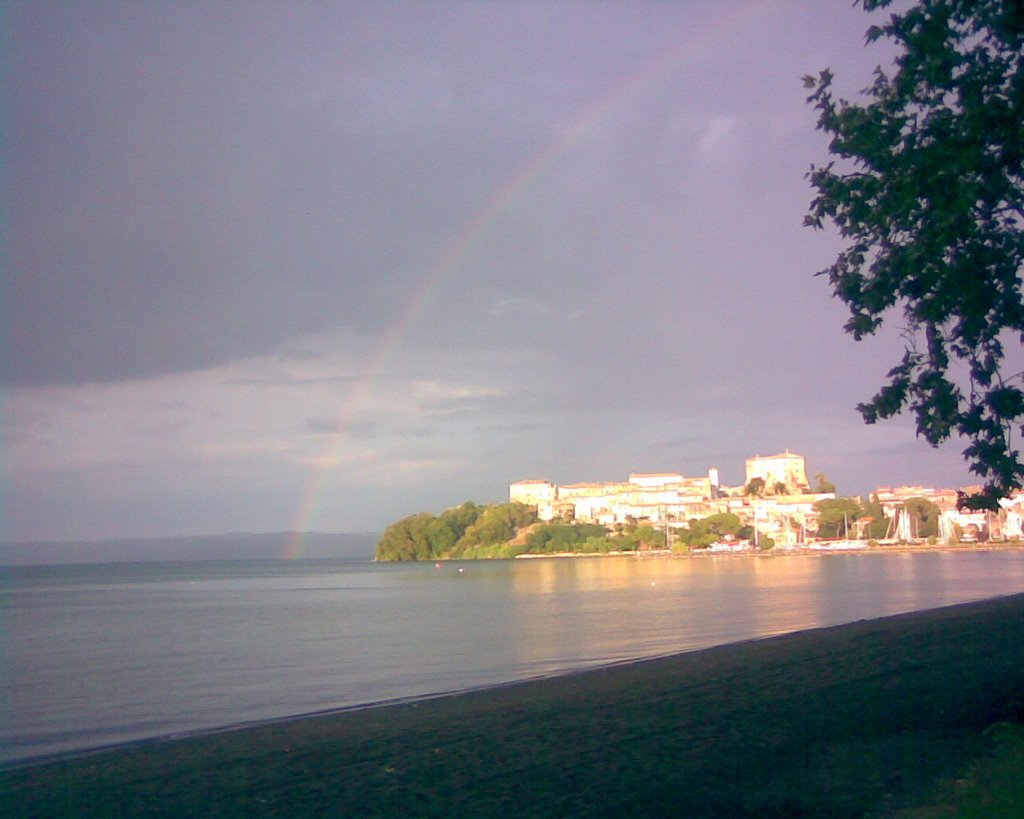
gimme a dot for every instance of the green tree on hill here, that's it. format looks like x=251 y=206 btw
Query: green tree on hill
x=454 y=533
x=441 y=536
x=406 y=539
x=497 y=523
x=460 y=518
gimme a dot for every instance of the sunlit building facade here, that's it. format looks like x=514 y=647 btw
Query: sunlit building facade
x=786 y=469
x=784 y=508
x=672 y=499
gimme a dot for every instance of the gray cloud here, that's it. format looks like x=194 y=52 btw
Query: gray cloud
x=323 y=426
x=174 y=207
x=248 y=242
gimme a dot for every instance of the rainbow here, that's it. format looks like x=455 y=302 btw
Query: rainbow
x=688 y=48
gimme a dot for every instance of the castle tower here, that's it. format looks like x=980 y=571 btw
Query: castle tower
x=786 y=468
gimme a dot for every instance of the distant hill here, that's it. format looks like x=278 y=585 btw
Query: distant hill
x=232 y=546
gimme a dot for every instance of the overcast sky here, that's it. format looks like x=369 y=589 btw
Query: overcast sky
x=321 y=265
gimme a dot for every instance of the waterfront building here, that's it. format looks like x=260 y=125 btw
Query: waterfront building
x=672 y=499
x=785 y=511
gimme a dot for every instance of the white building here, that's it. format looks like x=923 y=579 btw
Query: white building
x=531 y=492
x=786 y=468
x=788 y=517
x=673 y=499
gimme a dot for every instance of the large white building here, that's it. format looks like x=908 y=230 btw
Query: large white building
x=532 y=492
x=786 y=468
x=669 y=498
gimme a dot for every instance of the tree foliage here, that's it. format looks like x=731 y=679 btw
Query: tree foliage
x=878 y=526
x=567 y=537
x=645 y=537
x=455 y=532
x=925 y=516
x=838 y=518
x=702 y=532
x=510 y=529
x=925 y=187
x=823 y=484
x=497 y=523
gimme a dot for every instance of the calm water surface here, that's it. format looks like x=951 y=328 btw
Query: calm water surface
x=94 y=655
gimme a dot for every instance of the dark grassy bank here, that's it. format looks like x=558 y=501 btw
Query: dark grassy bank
x=846 y=721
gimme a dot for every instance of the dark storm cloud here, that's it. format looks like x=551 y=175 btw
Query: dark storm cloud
x=192 y=184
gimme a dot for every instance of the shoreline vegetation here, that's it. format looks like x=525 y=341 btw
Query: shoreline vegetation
x=513 y=530
x=873 y=718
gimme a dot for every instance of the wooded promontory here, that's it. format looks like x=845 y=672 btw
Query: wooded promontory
x=503 y=530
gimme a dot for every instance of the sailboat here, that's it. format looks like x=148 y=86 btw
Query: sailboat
x=901 y=526
x=846 y=543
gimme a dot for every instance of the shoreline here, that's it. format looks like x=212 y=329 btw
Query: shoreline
x=778 y=551
x=828 y=721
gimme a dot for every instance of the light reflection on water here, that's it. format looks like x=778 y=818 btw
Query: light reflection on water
x=108 y=654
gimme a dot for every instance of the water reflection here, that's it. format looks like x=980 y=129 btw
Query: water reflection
x=98 y=657
x=570 y=612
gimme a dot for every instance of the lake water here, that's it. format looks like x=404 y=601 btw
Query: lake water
x=102 y=654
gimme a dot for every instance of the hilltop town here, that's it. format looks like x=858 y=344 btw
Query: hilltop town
x=776 y=500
